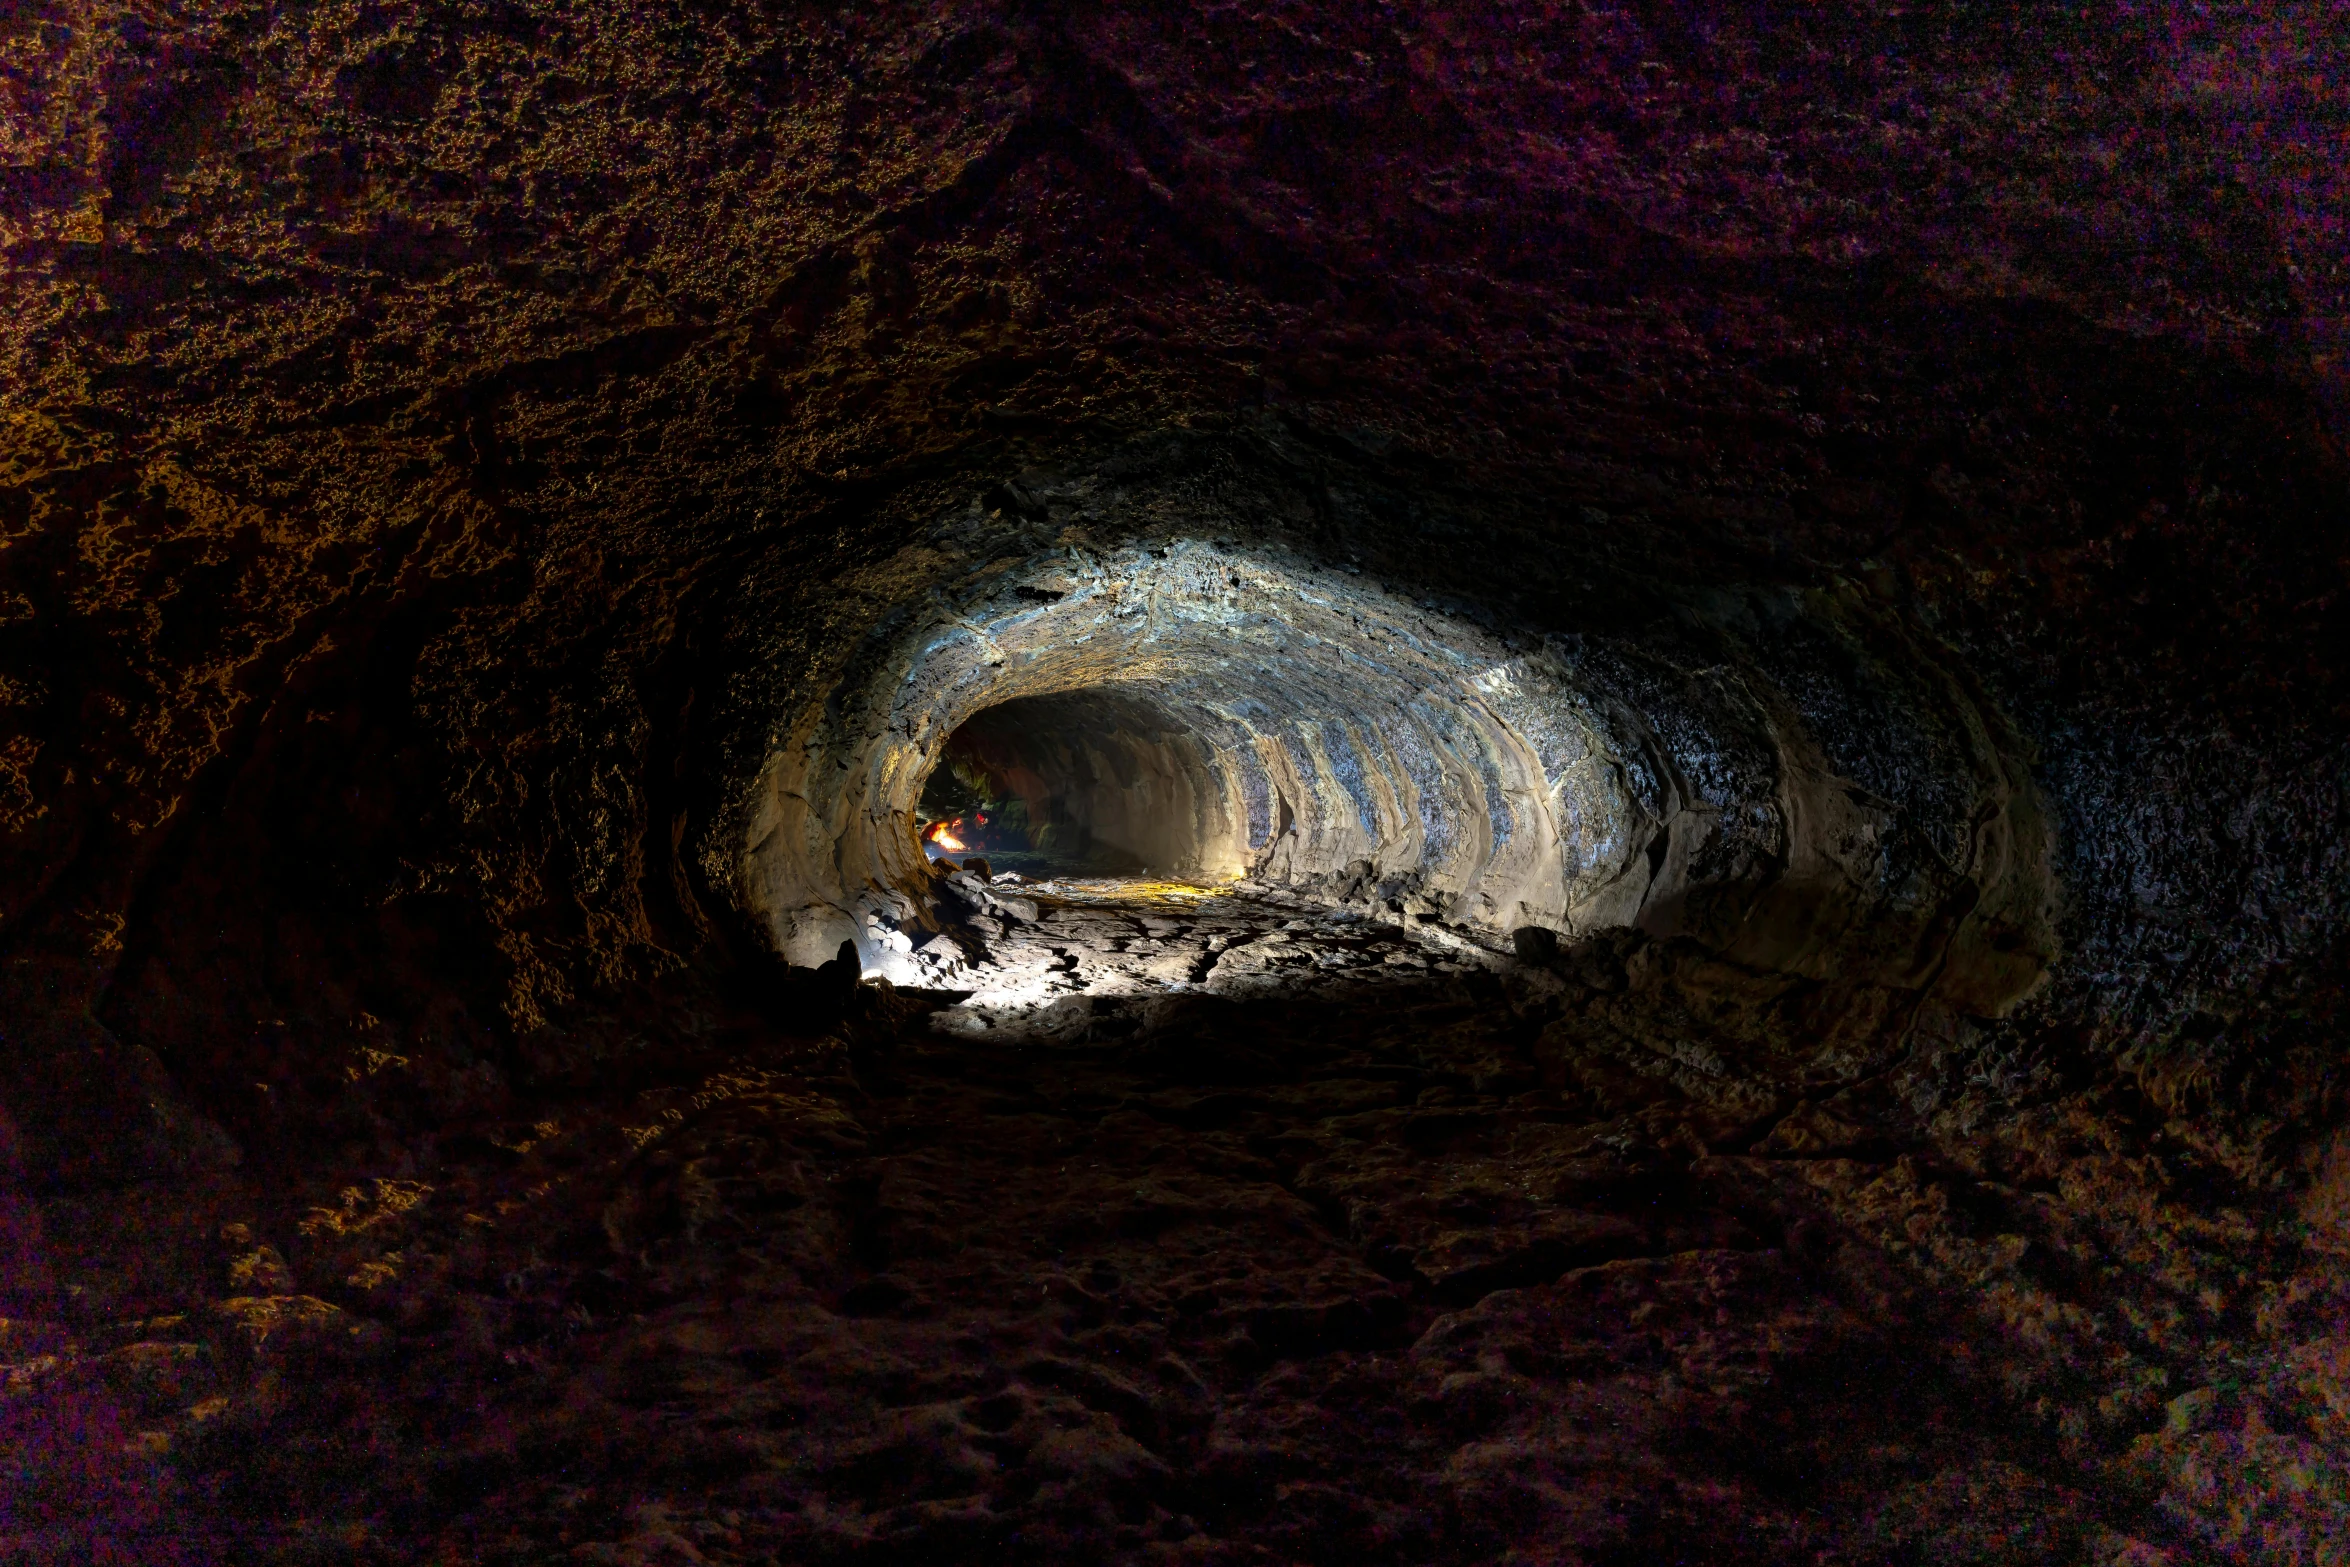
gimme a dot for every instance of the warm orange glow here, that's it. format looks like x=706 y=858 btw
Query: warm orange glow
x=941 y=834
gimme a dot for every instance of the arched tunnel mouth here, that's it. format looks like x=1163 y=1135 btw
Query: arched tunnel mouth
x=1096 y=849
x=1096 y=783
x=1140 y=767
x=1659 y=697
x=1375 y=995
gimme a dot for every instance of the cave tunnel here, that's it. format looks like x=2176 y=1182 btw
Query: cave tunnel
x=1188 y=711
x=1098 y=780
x=970 y=784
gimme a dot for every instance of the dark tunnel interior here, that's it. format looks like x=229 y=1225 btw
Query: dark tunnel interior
x=1095 y=782
x=1200 y=786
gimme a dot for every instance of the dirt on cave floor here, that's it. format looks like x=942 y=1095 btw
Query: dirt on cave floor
x=1483 y=1260
x=1030 y=955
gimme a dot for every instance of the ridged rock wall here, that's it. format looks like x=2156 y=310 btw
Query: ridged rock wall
x=457 y=458
x=1313 y=725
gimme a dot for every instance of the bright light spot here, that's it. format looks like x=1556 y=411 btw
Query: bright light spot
x=1006 y=991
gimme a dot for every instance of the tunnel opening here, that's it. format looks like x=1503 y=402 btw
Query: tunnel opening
x=1250 y=720
x=1097 y=783
x=1187 y=711
x=1658 y=695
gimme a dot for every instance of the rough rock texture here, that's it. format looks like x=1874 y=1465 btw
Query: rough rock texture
x=1231 y=711
x=447 y=449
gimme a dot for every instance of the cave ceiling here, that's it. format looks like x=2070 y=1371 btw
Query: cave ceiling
x=1752 y=601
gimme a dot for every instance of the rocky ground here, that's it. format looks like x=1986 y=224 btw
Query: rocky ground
x=1411 y=1255
x=438 y=441
x=1034 y=955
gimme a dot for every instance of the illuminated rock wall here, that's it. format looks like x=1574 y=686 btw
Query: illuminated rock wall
x=1251 y=713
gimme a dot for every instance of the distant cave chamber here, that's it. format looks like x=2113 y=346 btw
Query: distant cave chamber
x=1210 y=712
x=1100 y=782
x=1185 y=711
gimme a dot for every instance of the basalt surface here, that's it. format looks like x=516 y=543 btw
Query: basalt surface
x=1720 y=637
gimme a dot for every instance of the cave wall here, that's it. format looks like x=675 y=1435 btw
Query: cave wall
x=477 y=476
x=445 y=450
x=1663 y=768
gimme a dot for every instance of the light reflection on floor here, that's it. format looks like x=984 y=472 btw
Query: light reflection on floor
x=1044 y=954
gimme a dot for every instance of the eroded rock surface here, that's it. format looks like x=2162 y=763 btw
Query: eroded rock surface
x=472 y=474
x=1430 y=1268
x=1033 y=945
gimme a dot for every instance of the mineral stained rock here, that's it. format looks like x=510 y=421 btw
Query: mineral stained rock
x=1714 y=643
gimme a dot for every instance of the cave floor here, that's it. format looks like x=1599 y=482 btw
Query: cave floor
x=1032 y=958
x=1354 y=1260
